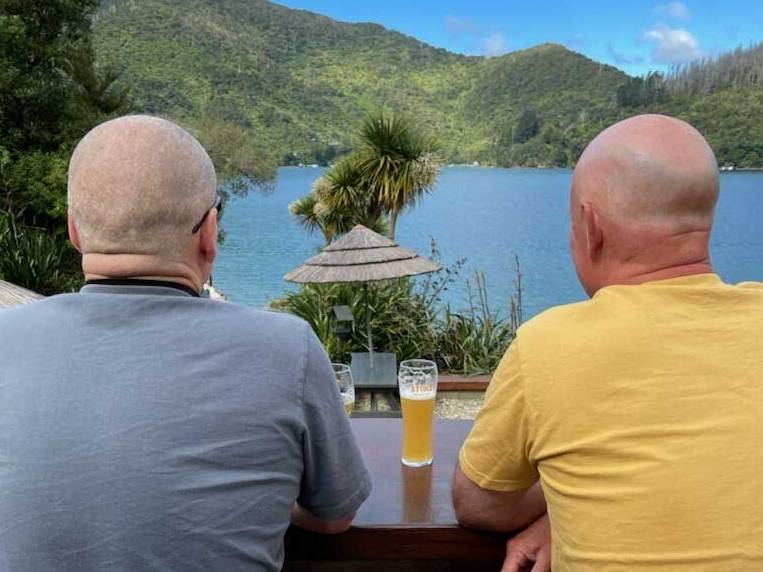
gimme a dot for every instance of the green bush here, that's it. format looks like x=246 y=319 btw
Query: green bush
x=401 y=322
x=35 y=258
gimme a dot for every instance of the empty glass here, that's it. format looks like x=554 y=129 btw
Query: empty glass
x=346 y=386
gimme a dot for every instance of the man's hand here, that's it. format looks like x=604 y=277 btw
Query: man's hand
x=530 y=550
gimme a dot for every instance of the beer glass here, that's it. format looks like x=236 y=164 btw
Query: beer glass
x=346 y=386
x=417 y=379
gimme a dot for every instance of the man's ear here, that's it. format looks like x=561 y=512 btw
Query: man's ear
x=208 y=237
x=73 y=235
x=594 y=235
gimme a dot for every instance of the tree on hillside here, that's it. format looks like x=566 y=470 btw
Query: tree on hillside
x=240 y=161
x=742 y=68
x=96 y=91
x=526 y=127
x=396 y=163
x=36 y=38
x=642 y=91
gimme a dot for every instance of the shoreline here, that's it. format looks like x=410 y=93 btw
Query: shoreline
x=519 y=167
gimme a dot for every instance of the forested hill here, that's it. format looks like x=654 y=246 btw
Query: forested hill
x=299 y=83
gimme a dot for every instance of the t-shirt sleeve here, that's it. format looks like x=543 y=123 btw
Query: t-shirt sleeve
x=335 y=481
x=496 y=453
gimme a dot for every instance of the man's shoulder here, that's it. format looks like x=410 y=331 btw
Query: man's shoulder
x=31 y=310
x=272 y=318
x=273 y=324
x=561 y=331
x=556 y=319
x=236 y=319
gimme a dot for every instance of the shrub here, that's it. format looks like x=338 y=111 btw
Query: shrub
x=400 y=320
x=35 y=258
x=473 y=341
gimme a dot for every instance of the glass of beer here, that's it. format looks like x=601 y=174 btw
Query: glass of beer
x=417 y=379
x=346 y=386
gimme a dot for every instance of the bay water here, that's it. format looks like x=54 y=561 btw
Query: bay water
x=486 y=215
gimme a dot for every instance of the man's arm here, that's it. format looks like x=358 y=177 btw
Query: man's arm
x=303 y=518
x=496 y=481
x=335 y=481
x=495 y=510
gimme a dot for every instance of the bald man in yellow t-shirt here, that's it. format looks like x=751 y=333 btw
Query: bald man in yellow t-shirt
x=635 y=418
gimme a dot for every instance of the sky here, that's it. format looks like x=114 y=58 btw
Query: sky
x=636 y=36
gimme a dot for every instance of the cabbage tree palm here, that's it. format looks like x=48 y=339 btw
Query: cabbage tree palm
x=396 y=163
x=306 y=211
x=338 y=202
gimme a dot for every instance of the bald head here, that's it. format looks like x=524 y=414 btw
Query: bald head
x=642 y=203
x=651 y=170
x=138 y=185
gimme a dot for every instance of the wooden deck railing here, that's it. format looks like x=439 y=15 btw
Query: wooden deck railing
x=12 y=295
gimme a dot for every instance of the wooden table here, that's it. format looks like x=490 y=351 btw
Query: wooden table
x=408 y=522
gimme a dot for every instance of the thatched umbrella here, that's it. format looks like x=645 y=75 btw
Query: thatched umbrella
x=12 y=295
x=361 y=255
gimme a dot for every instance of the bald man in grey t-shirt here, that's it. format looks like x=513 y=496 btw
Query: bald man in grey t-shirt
x=143 y=427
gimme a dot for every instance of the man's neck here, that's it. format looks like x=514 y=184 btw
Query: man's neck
x=662 y=257
x=139 y=267
x=674 y=271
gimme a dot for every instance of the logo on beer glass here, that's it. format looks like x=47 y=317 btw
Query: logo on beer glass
x=417 y=380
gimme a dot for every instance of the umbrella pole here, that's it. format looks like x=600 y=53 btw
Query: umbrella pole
x=368 y=331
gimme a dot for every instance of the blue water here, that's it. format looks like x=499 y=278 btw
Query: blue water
x=485 y=215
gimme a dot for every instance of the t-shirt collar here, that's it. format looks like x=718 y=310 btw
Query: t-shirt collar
x=137 y=286
x=701 y=279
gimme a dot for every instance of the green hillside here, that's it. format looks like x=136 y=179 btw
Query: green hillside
x=300 y=84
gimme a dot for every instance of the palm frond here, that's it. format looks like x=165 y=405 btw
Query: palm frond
x=304 y=210
x=396 y=162
x=343 y=189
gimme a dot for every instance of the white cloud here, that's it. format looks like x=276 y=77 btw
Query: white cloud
x=494 y=45
x=672 y=45
x=675 y=10
x=458 y=26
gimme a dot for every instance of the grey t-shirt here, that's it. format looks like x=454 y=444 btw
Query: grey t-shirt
x=144 y=429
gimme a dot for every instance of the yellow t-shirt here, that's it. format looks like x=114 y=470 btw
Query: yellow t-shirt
x=641 y=411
